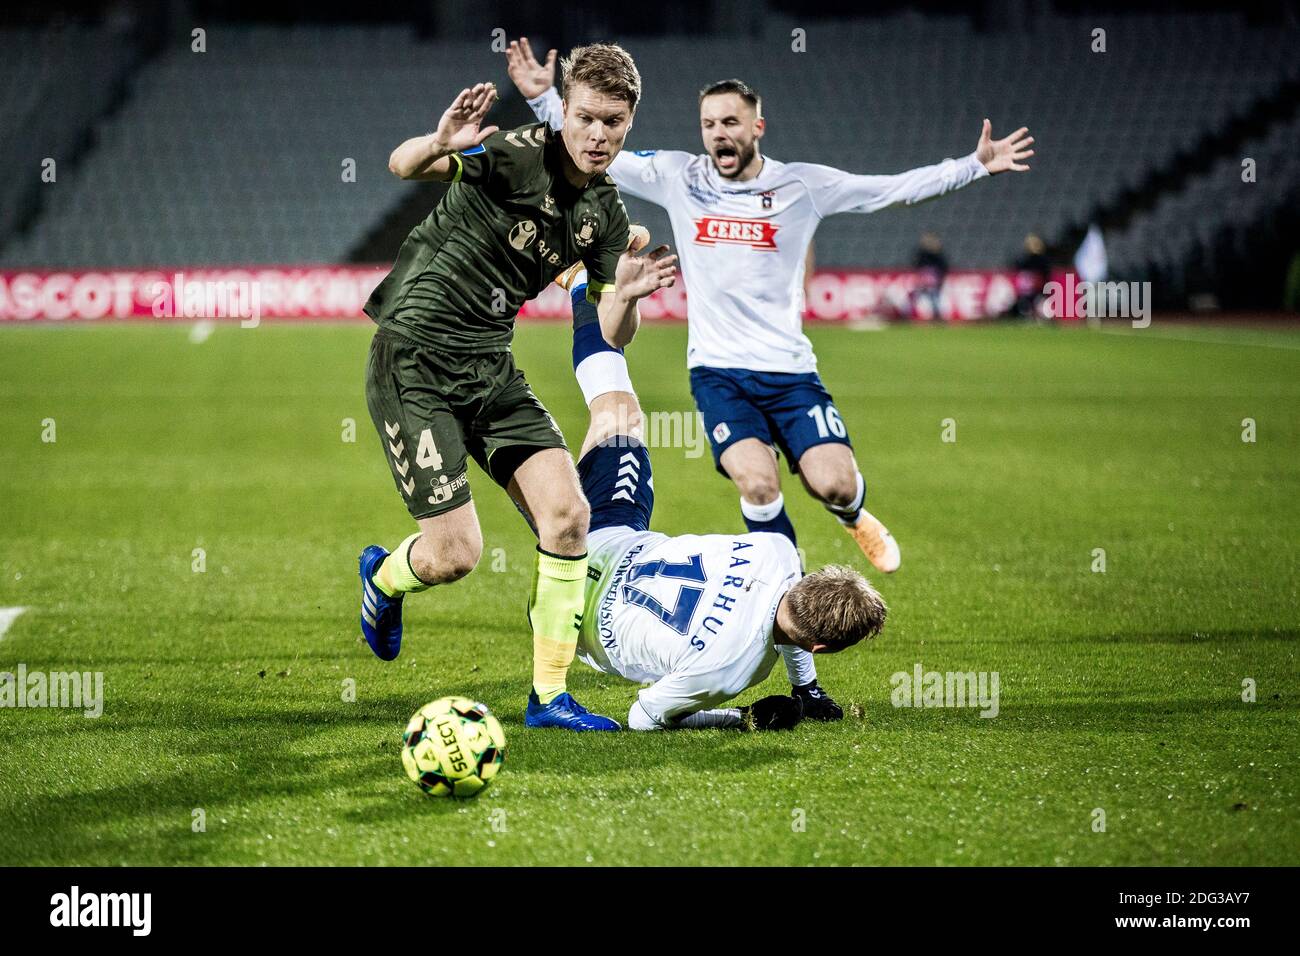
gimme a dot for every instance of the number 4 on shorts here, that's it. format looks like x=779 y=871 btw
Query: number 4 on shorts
x=426 y=455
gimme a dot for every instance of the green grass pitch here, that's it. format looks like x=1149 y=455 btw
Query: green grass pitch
x=1121 y=691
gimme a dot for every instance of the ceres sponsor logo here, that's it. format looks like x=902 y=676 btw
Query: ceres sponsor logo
x=755 y=233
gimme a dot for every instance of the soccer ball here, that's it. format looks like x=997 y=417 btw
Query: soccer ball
x=453 y=747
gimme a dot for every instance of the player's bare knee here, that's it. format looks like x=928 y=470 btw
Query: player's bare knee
x=758 y=489
x=460 y=564
x=574 y=520
x=838 y=491
x=425 y=564
x=460 y=561
x=441 y=562
x=564 y=524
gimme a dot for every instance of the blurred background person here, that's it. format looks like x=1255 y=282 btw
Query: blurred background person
x=932 y=271
x=1033 y=271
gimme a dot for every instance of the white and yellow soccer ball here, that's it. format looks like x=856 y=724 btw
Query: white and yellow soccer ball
x=453 y=747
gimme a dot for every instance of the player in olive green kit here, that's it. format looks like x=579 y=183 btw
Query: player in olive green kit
x=441 y=382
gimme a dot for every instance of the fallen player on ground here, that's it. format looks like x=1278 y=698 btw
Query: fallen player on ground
x=701 y=618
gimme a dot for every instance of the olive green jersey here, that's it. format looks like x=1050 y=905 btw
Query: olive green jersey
x=508 y=225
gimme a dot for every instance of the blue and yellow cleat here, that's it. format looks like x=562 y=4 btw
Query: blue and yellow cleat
x=381 y=616
x=565 y=712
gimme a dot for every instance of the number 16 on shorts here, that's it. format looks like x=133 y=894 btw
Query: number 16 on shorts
x=828 y=421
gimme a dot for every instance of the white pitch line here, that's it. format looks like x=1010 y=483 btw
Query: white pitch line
x=1203 y=339
x=7 y=616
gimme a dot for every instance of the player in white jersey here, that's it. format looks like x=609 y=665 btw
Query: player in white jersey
x=701 y=617
x=743 y=223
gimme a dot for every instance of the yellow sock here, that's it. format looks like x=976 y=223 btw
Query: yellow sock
x=395 y=576
x=555 y=610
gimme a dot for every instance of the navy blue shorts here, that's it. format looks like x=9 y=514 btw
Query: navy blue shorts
x=616 y=479
x=792 y=411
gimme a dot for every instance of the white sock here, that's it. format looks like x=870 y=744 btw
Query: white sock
x=603 y=372
x=765 y=512
x=849 y=516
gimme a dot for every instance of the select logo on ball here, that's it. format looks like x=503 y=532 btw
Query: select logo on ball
x=453 y=747
x=453 y=755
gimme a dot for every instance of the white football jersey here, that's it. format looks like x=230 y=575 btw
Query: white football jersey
x=692 y=613
x=742 y=245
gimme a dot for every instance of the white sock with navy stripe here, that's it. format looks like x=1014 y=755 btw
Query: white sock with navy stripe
x=770 y=517
x=849 y=516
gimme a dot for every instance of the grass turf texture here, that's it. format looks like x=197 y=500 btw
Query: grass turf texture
x=224 y=689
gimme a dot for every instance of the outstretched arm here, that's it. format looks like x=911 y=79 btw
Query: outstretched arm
x=460 y=128
x=834 y=190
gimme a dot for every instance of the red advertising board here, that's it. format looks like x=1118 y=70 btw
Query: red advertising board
x=339 y=292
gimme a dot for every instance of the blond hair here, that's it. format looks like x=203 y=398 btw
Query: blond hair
x=837 y=607
x=605 y=68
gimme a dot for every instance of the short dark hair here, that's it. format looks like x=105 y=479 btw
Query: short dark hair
x=604 y=67
x=739 y=87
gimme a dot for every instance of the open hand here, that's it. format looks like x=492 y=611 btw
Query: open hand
x=637 y=276
x=460 y=127
x=531 y=78
x=1000 y=155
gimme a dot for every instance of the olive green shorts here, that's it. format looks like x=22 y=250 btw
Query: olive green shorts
x=431 y=408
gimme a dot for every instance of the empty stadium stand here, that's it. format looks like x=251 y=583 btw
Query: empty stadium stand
x=237 y=154
x=54 y=84
x=1225 y=204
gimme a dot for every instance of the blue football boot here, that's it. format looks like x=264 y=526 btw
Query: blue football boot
x=381 y=615
x=564 y=712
